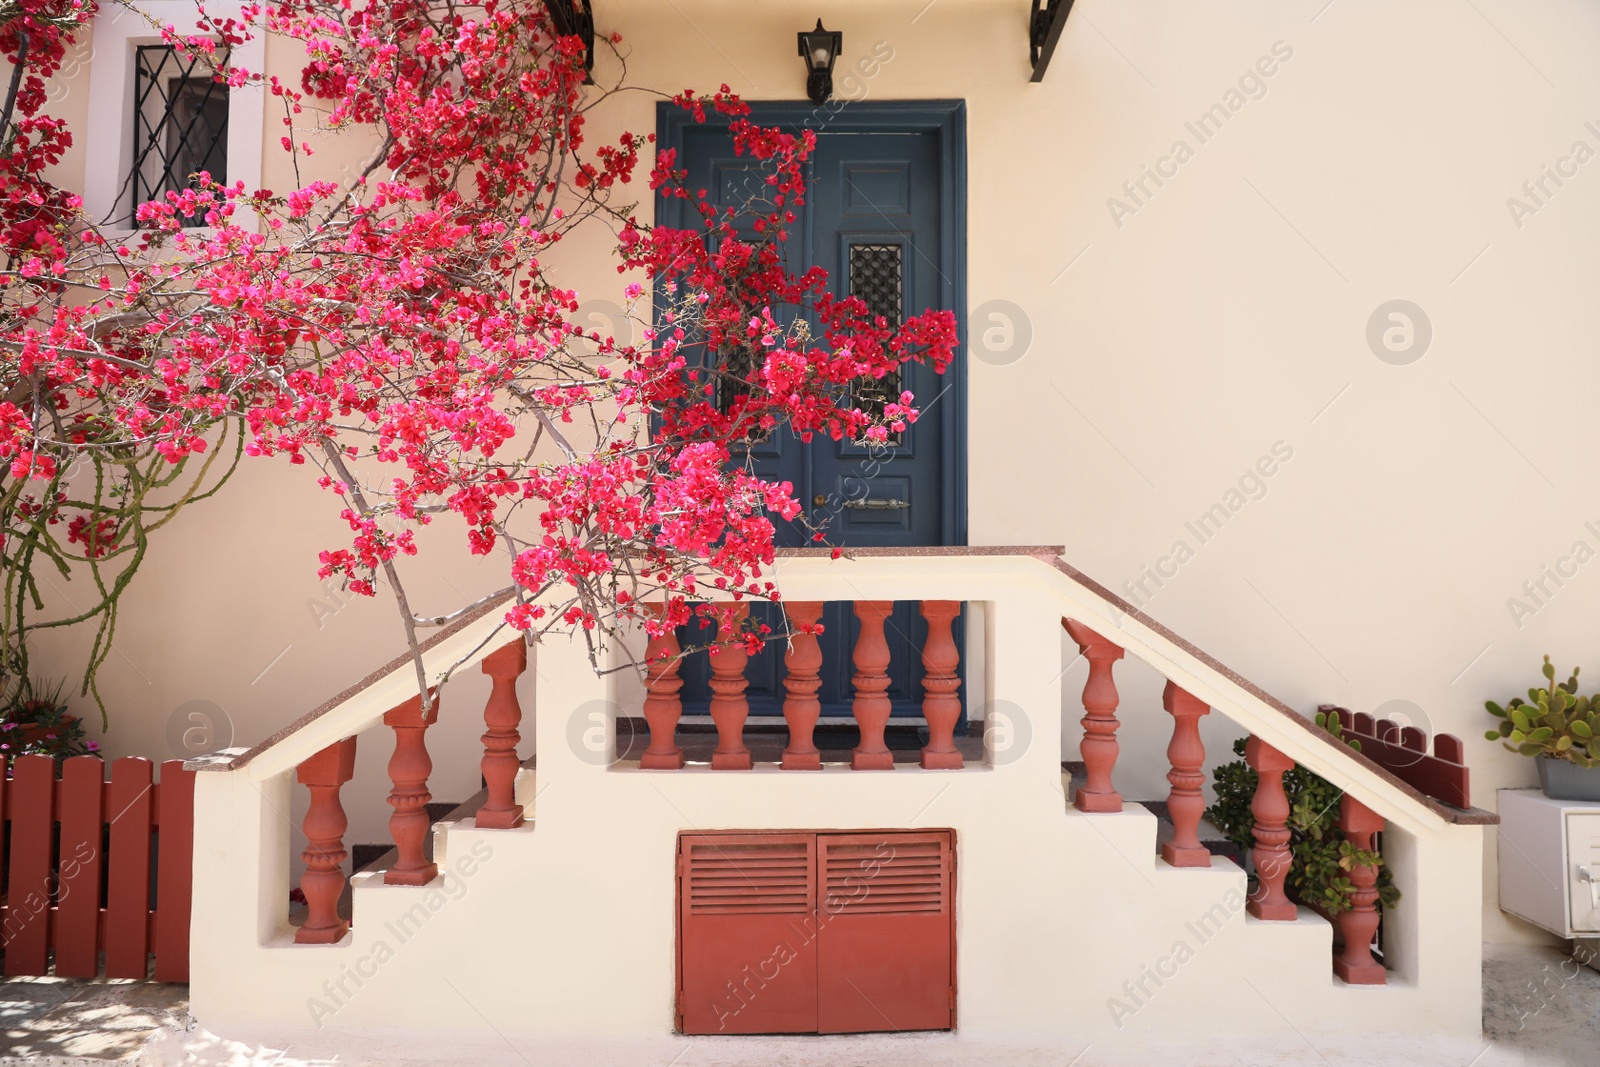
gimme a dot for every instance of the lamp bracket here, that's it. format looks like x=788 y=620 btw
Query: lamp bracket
x=575 y=18
x=1049 y=18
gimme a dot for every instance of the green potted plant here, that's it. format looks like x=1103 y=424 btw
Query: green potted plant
x=1557 y=727
x=33 y=721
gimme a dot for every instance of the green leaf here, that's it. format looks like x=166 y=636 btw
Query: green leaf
x=1521 y=720
x=1549 y=669
x=1563 y=743
x=1542 y=734
x=1530 y=750
x=1581 y=728
x=1495 y=709
x=1518 y=736
x=1491 y=735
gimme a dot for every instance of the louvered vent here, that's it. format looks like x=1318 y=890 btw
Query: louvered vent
x=889 y=877
x=749 y=879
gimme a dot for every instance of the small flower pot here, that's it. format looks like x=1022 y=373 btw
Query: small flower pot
x=32 y=733
x=1563 y=780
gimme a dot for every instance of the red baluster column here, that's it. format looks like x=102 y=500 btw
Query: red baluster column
x=1354 y=963
x=1099 y=746
x=871 y=706
x=1186 y=803
x=800 y=704
x=501 y=717
x=1270 y=809
x=729 y=708
x=662 y=705
x=324 y=827
x=941 y=704
x=409 y=768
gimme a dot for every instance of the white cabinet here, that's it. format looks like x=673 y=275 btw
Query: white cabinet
x=1550 y=861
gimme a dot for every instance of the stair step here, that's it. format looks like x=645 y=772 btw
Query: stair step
x=378 y=857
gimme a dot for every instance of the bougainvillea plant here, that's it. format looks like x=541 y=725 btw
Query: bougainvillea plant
x=402 y=328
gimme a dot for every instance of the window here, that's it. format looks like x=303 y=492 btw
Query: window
x=155 y=116
x=180 y=124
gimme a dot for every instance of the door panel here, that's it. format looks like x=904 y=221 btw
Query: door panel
x=885 y=959
x=745 y=903
x=875 y=219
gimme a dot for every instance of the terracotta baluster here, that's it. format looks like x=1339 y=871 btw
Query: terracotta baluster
x=871 y=706
x=941 y=704
x=729 y=708
x=1099 y=745
x=800 y=705
x=1270 y=809
x=1355 y=964
x=662 y=705
x=409 y=768
x=324 y=827
x=1186 y=803
x=501 y=716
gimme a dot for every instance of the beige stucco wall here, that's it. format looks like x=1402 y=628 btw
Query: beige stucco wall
x=1227 y=313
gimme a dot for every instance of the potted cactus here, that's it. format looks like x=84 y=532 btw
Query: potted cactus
x=1558 y=727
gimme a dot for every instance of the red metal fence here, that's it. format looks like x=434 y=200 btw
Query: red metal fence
x=97 y=866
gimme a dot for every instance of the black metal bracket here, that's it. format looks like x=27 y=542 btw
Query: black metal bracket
x=1044 y=30
x=575 y=18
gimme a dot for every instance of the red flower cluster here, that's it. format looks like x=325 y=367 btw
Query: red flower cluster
x=405 y=329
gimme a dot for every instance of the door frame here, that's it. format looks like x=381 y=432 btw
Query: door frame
x=947 y=119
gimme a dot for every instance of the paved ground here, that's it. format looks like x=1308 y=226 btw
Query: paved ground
x=1540 y=1010
x=75 y=1021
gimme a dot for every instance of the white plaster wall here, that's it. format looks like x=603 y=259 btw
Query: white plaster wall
x=1168 y=354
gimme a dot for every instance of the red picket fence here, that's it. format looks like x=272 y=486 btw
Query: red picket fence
x=93 y=866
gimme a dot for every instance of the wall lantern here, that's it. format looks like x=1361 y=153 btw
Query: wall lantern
x=819 y=48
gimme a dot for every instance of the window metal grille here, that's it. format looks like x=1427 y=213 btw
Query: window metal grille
x=180 y=124
x=877 y=276
x=737 y=364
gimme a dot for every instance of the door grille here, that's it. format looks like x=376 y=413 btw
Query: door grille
x=749 y=879
x=887 y=878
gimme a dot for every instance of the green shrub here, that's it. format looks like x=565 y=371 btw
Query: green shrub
x=1320 y=855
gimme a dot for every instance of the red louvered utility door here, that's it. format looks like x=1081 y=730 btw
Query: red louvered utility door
x=816 y=932
x=748 y=947
x=885 y=947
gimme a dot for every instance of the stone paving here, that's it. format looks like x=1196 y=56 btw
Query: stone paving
x=1540 y=1010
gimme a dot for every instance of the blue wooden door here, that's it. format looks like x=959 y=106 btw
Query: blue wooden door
x=883 y=218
